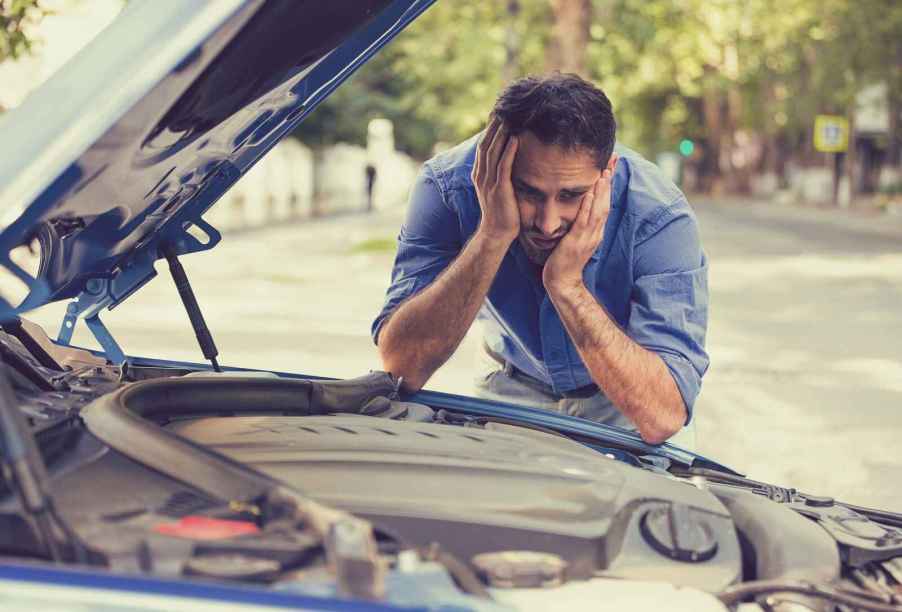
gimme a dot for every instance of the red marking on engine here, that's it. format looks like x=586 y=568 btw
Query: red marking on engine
x=206 y=528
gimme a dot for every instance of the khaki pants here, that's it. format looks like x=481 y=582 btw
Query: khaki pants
x=501 y=383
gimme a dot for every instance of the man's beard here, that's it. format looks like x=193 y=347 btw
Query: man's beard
x=538 y=253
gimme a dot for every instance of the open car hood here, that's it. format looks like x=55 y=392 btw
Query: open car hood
x=124 y=149
x=119 y=154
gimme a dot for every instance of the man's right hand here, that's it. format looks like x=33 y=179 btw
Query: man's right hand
x=424 y=331
x=492 y=178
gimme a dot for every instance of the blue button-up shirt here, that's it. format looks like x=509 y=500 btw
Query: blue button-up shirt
x=649 y=272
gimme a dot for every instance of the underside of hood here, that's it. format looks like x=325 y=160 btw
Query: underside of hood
x=119 y=154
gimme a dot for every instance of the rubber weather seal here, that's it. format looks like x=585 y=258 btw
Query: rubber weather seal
x=128 y=420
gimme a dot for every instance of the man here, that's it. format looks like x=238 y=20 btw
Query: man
x=581 y=259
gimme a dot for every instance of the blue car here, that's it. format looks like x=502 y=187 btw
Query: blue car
x=140 y=483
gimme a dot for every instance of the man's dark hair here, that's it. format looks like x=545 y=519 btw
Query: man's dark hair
x=560 y=109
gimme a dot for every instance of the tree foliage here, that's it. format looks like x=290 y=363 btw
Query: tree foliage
x=721 y=72
x=443 y=74
x=14 y=15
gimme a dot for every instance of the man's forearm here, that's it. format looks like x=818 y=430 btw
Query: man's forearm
x=635 y=379
x=424 y=331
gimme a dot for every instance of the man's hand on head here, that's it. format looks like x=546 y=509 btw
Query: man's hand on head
x=424 y=330
x=564 y=268
x=492 y=179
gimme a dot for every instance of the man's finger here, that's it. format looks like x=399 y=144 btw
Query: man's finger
x=489 y=136
x=491 y=128
x=585 y=208
x=479 y=166
x=505 y=166
x=496 y=148
x=602 y=197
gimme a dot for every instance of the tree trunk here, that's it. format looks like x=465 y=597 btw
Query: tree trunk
x=894 y=103
x=894 y=152
x=739 y=173
x=569 y=36
x=511 y=43
x=712 y=110
x=782 y=154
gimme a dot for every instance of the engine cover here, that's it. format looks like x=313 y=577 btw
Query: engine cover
x=482 y=490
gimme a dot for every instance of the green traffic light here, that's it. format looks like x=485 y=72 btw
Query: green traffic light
x=686 y=147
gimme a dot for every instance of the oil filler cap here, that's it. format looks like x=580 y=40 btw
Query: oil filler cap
x=677 y=532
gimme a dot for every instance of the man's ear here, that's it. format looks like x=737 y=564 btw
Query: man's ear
x=612 y=162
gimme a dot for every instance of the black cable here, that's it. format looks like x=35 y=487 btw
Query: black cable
x=860 y=600
x=24 y=465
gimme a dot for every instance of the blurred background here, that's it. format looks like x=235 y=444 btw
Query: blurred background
x=780 y=119
x=724 y=95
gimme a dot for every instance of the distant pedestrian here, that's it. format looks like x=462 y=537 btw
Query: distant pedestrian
x=370 y=183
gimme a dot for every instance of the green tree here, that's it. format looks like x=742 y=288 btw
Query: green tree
x=14 y=14
x=439 y=79
x=717 y=70
x=735 y=77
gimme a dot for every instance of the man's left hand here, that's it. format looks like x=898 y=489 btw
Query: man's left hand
x=564 y=268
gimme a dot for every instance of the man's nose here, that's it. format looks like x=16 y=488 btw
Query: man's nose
x=547 y=219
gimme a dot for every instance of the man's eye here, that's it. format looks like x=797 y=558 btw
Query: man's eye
x=527 y=194
x=569 y=197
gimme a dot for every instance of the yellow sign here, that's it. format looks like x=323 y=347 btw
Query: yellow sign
x=831 y=133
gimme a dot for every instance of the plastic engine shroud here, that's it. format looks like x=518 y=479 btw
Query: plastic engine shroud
x=481 y=490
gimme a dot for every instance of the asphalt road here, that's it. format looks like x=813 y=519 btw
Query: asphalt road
x=805 y=387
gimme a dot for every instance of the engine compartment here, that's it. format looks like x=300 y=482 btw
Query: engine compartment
x=477 y=491
x=459 y=503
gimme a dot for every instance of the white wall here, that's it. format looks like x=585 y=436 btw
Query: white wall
x=277 y=188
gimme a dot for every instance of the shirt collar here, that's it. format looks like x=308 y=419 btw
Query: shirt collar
x=618 y=200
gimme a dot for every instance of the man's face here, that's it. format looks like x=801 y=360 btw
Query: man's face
x=549 y=182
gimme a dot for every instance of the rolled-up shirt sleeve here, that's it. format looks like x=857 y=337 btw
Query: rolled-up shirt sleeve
x=669 y=302
x=429 y=240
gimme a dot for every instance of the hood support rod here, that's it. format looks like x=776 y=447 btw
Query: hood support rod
x=183 y=285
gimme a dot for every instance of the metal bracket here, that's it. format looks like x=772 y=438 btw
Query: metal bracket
x=98 y=329
x=85 y=307
x=110 y=290
x=107 y=293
